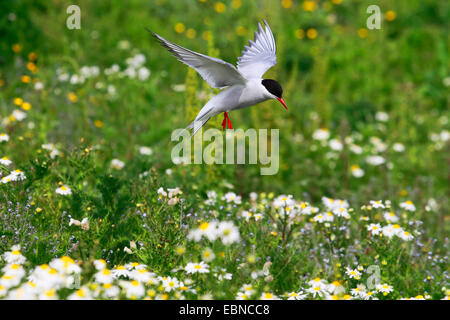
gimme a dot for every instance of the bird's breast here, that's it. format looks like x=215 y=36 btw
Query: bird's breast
x=238 y=97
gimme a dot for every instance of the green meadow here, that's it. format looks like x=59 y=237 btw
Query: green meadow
x=93 y=206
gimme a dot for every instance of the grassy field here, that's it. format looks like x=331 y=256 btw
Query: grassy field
x=92 y=205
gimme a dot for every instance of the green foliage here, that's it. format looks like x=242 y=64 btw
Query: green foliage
x=374 y=91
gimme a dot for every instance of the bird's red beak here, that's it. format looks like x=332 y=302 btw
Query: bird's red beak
x=282 y=102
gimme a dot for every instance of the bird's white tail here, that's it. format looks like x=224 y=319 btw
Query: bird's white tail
x=197 y=124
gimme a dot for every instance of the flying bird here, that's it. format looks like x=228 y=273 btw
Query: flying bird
x=243 y=85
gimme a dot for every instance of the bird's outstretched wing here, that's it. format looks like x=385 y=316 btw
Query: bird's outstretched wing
x=216 y=72
x=259 y=55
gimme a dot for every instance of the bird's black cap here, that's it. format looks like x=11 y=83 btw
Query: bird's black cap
x=273 y=87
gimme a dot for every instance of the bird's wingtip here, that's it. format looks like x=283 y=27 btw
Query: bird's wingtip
x=152 y=33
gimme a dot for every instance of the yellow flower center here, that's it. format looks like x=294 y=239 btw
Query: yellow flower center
x=50 y=293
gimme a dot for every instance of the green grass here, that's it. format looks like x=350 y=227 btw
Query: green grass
x=339 y=80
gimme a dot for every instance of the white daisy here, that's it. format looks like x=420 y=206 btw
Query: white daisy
x=405 y=235
x=142 y=275
x=385 y=288
x=120 y=271
x=269 y=296
x=99 y=264
x=104 y=276
x=316 y=291
x=196 y=268
x=374 y=228
x=389 y=231
x=170 y=283
x=317 y=282
x=5 y=161
x=110 y=291
x=16 y=175
x=19 y=115
x=398 y=147
x=64 y=190
x=353 y=273
x=377 y=204
x=4 y=137
x=341 y=212
x=207 y=229
x=358 y=292
x=117 y=164
x=321 y=134
x=65 y=265
x=228 y=232
x=146 y=151
x=231 y=197
x=408 y=205
x=382 y=116
x=375 y=160
x=14 y=256
x=356 y=149
x=357 y=172
x=336 y=145
x=390 y=217
x=133 y=289
x=332 y=204
x=296 y=295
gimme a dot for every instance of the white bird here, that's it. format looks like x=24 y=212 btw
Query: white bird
x=244 y=84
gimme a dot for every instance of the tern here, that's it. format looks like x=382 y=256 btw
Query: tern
x=242 y=86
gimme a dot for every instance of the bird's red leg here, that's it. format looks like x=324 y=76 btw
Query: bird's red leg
x=224 y=122
x=229 y=123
